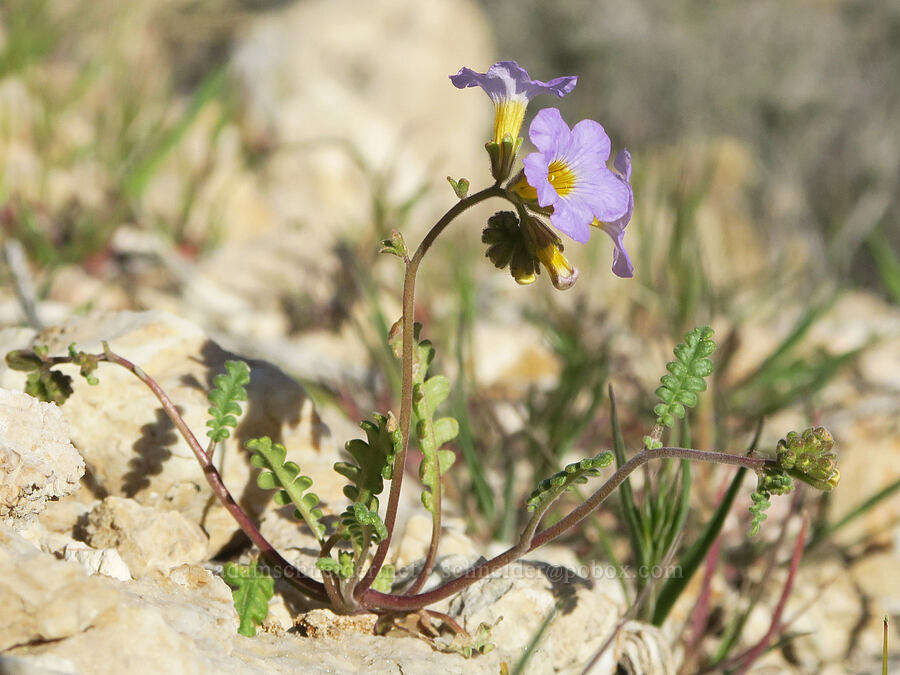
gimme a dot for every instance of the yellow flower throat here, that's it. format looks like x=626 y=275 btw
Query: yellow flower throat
x=561 y=177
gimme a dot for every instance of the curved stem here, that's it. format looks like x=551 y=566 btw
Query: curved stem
x=309 y=586
x=410 y=602
x=431 y=556
x=409 y=294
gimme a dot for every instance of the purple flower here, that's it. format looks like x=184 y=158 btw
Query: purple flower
x=569 y=174
x=622 y=266
x=509 y=87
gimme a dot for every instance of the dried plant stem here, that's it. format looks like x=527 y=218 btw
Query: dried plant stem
x=409 y=294
x=528 y=543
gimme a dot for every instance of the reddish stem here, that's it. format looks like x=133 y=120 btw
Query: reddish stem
x=749 y=657
x=310 y=586
x=376 y=600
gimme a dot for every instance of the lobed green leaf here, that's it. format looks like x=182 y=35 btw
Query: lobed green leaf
x=684 y=379
x=228 y=389
x=252 y=590
x=549 y=489
x=284 y=476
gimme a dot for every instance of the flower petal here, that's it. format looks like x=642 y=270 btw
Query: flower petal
x=572 y=217
x=536 y=166
x=608 y=196
x=623 y=165
x=549 y=132
x=589 y=137
x=507 y=80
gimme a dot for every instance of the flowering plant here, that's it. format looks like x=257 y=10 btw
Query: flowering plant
x=565 y=187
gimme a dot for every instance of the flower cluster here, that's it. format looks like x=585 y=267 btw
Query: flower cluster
x=566 y=180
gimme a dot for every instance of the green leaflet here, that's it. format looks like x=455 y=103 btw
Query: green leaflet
x=808 y=457
x=384 y=579
x=343 y=566
x=432 y=434
x=49 y=385
x=278 y=474
x=42 y=382
x=428 y=394
x=685 y=378
x=228 y=390
x=395 y=246
x=252 y=589
x=460 y=187
x=362 y=526
x=374 y=459
x=574 y=474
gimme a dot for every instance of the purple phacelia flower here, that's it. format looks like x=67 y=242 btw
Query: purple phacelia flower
x=569 y=174
x=509 y=87
x=622 y=266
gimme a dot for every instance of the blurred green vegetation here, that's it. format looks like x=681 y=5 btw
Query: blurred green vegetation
x=766 y=128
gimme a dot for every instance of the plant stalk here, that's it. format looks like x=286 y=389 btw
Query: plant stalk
x=309 y=586
x=408 y=320
x=374 y=599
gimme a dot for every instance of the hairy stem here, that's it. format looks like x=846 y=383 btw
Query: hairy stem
x=307 y=585
x=374 y=599
x=409 y=294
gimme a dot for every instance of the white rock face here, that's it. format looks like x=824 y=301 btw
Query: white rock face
x=146 y=538
x=517 y=600
x=131 y=448
x=339 y=83
x=44 y=598
x=37 y=460
x=106 y=561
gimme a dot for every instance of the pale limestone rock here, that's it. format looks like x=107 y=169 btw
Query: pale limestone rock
x=826 y=599
x=105 y=561
x=130 y=446
x=180 y=623
x=44 y=598
x=37 y=460
x=323 y=623
x=147 y=538
x=413 y=545
x=349 y=82
x=185 y=622
x=517 y=600
x=644 y=650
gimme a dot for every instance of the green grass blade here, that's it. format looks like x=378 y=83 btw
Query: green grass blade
x=887 y=262
x=857 y=511
x=519 y=668
x=801 y=328
x=138 y=176
x=633 y=520
x=692 y=558
x=484 y=497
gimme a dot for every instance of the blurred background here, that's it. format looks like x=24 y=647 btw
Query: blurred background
x=236 y=162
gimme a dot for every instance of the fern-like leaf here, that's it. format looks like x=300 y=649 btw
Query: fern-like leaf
x=48 y=385
x=228 y=390
x=574 y=474
x=252 y=590
x=362 y=526
x=285 y=476
x=428 y=394
x=87 y=364
x=384 y=579
x=374 y=459
x=685 y=378
x=758 y=508
x=343 y=566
